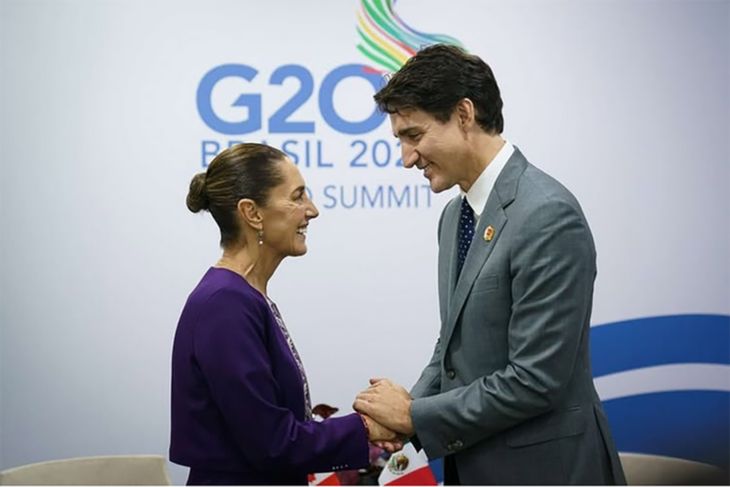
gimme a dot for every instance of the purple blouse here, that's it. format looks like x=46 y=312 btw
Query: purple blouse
x=238 y=401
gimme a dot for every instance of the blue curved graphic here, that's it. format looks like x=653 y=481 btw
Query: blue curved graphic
x=660 y=340
x=694 y=425
x=690 y=424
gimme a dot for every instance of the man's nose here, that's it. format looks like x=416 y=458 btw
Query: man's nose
x=410 y=156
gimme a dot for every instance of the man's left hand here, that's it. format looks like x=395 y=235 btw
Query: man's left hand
x=387 y=403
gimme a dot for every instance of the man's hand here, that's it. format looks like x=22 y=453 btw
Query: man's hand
x=387 y=403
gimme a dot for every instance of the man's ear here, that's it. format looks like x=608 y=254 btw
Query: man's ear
x=466 y=113
x=250 y=213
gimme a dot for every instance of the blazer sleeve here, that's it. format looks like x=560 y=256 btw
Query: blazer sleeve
x=231 y=351
x=553 y=268
x=429 y=383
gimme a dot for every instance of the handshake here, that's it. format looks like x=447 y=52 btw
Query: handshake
x=386 y=409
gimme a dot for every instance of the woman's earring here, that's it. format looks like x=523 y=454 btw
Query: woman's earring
x=260 y=235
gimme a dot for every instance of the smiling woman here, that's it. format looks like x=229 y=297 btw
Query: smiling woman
x=241 y=411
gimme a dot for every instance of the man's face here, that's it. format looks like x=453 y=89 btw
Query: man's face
x=434 y=147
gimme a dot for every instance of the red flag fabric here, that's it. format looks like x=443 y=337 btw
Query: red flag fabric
x=327 y=478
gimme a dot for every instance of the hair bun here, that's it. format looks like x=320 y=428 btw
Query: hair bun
x=197 y=196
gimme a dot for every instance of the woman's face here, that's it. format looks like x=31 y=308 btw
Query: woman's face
x=287 y=214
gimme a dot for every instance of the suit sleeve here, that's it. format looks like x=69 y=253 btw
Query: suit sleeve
x=553 y=268
x=232 y=355
x=429 y=383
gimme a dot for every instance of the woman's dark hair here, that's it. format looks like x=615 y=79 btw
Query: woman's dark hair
x=241 y=171
x=437 y=78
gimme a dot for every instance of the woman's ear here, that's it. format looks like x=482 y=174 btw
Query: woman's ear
x=250 y=213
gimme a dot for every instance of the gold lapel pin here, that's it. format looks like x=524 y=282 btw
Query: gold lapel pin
x=489 y=233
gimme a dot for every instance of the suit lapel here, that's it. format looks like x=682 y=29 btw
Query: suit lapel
x=480 y=249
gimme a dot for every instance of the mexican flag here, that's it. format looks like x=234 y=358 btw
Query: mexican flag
x=407 y=467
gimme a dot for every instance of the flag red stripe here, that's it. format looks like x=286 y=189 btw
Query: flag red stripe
x=331 y=480
x=422 y=476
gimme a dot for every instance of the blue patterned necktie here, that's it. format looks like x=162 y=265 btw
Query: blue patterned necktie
x=466 y=233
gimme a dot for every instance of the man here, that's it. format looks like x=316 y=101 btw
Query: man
x=508 y=396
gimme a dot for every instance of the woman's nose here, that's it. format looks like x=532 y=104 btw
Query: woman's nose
x=312 y=211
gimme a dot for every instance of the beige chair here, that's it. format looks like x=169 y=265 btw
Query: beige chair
x=107 y=470
x=643 y=469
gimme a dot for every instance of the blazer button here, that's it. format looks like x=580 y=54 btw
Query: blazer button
x=450 y=374
x=455 y=445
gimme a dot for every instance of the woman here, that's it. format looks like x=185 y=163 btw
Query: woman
x=241 y=412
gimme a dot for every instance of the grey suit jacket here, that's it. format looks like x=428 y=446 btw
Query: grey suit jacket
x=509 y=390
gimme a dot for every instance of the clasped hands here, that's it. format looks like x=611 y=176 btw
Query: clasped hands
x=386 y=408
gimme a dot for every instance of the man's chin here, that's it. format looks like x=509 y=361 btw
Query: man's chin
x=438 y=186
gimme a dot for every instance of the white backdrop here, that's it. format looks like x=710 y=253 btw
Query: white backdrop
x=627 y=103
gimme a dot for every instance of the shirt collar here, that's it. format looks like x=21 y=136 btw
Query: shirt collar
x=482 y=187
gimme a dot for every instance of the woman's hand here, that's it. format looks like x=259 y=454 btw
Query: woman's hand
x=390 y=446
x=377 y=432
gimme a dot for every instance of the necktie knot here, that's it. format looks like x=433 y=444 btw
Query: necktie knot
x=466 y=233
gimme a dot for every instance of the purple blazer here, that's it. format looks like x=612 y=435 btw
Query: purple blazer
x=238 y=398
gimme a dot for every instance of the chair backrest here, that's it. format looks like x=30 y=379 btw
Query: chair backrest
x=643 y=469
x=106 y=470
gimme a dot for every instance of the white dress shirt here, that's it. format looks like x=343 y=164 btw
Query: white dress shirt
x=482 y=187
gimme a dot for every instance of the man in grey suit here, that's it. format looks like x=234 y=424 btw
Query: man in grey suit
x=508 y=396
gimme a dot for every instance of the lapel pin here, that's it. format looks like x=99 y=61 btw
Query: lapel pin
x=489 y=233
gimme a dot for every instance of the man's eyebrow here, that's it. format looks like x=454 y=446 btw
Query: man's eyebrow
x=404 y=131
